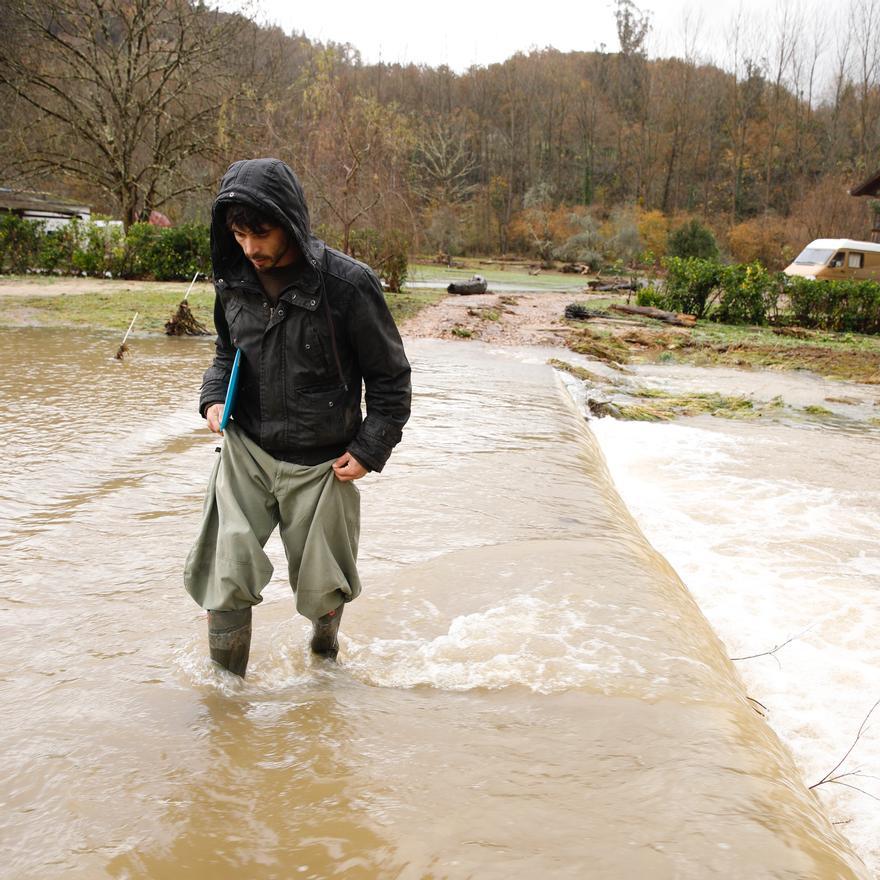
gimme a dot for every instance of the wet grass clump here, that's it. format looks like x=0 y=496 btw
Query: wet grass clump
x=580 y=372
x=852 y=356
x=656 y=405
x=664 y=406
x=605 y=347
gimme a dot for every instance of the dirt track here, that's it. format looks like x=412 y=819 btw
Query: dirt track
x=502 y=319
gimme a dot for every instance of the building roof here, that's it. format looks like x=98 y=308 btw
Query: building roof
x=19 y=200
x=870 y=187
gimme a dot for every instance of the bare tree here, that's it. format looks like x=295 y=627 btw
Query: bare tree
x=443 y=164
x=680 y=95
x=355 y=149
x=864 y=24
x=787 y=25
x=124 y=94
x=746 y=95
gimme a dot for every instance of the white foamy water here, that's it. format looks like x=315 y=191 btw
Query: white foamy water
x=773 y=527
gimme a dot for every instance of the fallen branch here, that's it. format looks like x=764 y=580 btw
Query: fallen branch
x=678 y=318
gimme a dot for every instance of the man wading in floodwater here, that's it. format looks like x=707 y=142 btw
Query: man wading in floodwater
x=312 y=325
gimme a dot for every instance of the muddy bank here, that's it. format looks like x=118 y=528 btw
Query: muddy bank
x=538 y=319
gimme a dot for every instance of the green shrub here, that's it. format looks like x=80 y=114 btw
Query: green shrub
x=78 y=248
x=846 y=306
x=166 y=254
x=57 y=249
x=690 y=283
x=651 y=296
x=95 y=248
x=137 y=258
x=178 y=252
x=692 y=239
x=20 y=242
x=748 y=294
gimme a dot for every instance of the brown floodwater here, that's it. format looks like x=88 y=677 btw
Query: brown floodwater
x=525 y=687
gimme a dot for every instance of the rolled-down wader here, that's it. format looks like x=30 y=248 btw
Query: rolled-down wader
x=249 y=493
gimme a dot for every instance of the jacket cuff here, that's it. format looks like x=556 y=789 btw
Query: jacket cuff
x=366 y=457
x=374 y=442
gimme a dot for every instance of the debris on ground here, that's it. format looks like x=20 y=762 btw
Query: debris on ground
x=184 y=323
x=679 y=319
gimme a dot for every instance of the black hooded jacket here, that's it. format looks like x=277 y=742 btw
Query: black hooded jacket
x=304 y=361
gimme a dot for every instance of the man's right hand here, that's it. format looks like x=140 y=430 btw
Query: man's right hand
x=213 y=414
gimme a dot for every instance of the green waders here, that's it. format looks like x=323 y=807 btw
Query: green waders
x=249 y=494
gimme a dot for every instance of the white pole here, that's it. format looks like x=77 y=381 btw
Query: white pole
x=129 y=328
x=191 y=285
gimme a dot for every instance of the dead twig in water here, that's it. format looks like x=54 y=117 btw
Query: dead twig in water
x=830 y=775
x=758 y=703
x=120 y=352
x=772 y=653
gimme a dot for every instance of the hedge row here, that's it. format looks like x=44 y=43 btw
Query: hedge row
x=165 y=254
x=748 y=294
x=78 y=248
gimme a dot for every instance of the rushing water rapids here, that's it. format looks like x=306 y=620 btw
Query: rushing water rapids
x=525 y=687
x=773 y=528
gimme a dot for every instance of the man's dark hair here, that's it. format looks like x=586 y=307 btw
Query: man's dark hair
x=247 y=218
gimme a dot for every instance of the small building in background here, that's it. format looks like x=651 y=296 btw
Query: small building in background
x=871 y=188
x=52 y=211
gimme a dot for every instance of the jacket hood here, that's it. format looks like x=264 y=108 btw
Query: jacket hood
x=270 y=186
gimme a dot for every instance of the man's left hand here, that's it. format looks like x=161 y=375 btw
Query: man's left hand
x=348 y=468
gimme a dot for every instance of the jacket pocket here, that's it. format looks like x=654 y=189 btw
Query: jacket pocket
x=235 y=321
x=318 y=417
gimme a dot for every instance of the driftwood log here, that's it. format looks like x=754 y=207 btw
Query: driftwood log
x=616 y=285
x=477 y=284
x=677 y=318
x=796 y=332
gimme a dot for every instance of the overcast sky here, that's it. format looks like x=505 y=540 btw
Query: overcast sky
x=459 y=33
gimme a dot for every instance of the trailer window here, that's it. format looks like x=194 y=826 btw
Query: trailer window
x=855 y=260
x=813 y=257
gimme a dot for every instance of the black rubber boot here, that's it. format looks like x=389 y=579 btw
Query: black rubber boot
x=229 y=639
x=324 y=632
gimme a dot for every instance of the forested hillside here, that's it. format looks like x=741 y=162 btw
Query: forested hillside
x=135 y=105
